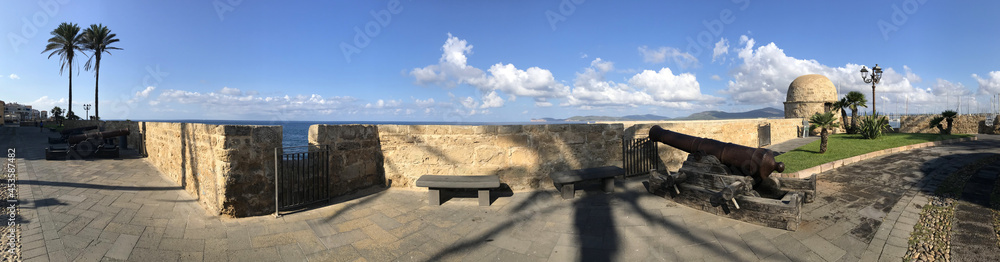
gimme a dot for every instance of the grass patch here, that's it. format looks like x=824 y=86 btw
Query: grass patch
x=843 y=146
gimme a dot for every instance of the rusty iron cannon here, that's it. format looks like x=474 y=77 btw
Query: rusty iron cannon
x=756 y=162
x=89 y=144
x=66 y=133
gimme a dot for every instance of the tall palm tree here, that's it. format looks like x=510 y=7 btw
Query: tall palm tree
x=842 y=106
x=854 y=100
x=98 y=38
x=823 y=121
x=66 y=41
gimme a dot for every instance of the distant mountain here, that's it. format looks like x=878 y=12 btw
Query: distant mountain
x=766 y=112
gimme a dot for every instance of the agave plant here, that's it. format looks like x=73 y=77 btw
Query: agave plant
x=873 y=127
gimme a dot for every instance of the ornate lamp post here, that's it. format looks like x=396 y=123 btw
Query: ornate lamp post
x=875 y=77
x=86 y=109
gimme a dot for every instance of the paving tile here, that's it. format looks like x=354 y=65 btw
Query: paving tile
x=182 y=245
x=122 y=247
x=344 y=253
x=345 y=238
x=824 y=248
x=124 y=228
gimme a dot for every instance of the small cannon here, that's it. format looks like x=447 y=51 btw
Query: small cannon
x=756 y=162
x=66 y=133
x=89 y=144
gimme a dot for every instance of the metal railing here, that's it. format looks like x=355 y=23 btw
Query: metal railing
x=301 y=178
x=639 y=156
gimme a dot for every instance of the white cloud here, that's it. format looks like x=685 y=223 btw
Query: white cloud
x=716 y=77
x=424 y=103
x=989 y=85
x=492 y=100
x=230 y=91
x=765 y=73
x=945 y=88
x=14 y=76
x=914 y=78
x=145 y=92
x=721 y=48
x=46 y=103
x=649 y=87
x=452 y=69
x=276 y=106
x=384 y=104
x=660 y=55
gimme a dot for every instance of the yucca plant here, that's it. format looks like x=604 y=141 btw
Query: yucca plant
x=873 y=127
x=823 y=121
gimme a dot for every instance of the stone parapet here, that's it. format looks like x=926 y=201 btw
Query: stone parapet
x=963 y=124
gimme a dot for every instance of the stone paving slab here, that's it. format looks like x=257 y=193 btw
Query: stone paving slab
x=126 y=210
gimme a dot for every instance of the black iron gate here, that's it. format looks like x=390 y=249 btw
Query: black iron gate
x=764 y=135
x=639 y=156
x=301 y=178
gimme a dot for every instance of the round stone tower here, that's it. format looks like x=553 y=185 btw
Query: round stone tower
x=810 y=94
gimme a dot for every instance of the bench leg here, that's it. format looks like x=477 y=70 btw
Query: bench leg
x=609 y=184
x=484 y=197
x=567 y=191
x=433 y=197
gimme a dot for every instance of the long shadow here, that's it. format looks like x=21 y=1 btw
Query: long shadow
x=363 y=194
x=95 y=186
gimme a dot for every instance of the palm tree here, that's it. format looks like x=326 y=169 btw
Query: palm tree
x=854 y=100
x=936 y=122
x=66 y=41
x=842 y=106
x=823 y=121
x=97 y=38
x=949 y=116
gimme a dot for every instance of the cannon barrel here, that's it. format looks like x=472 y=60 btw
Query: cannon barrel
x=76 y=131
x=97 y=135
x=758 y=162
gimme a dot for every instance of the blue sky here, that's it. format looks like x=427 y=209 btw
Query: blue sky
x=502 y=61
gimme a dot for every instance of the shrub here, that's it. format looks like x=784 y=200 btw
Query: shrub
x=873 y=127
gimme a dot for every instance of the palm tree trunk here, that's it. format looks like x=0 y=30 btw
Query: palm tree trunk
x=97 y=80
x=854 y=120
x=822 y=143
x=70 y=86
x=843 y=119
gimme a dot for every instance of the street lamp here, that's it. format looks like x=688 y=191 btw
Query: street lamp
x=86 y=109
x=875 y=77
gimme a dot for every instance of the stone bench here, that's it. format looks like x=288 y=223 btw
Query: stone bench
x=565 y=180
x=434 y=184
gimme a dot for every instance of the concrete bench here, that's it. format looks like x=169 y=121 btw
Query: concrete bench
x=434 y=184
x=565 y=180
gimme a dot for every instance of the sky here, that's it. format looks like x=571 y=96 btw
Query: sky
x=498 y=61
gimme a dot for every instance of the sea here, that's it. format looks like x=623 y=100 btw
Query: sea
x=296 y=133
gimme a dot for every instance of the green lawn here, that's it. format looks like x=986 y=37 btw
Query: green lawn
x=843 y=146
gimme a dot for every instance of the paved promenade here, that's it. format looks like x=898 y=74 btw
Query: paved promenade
x=95 y=210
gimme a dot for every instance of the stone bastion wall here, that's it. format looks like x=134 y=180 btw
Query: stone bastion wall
x=228 y=168
x=963 y=124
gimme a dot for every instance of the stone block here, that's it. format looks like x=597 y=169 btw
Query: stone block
x=490 y=156
x=509 y=129
x=523 y=156
x=513 y=140
x=557 y=128
x=237 y=130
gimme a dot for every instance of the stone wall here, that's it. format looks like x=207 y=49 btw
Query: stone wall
x=738 y=131
x=228 y=168
x=356 y=160
x=963 y=124
x=522 y=156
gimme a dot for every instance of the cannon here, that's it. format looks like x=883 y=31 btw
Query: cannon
x=87 y=145
x=66 y=133
x=756 y=162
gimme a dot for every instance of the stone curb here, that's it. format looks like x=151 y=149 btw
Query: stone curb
x=805 y=173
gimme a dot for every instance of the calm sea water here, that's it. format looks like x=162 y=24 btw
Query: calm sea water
x=296 y=133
